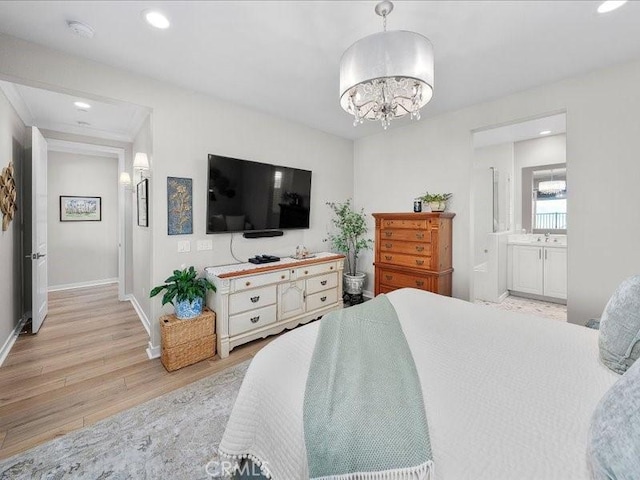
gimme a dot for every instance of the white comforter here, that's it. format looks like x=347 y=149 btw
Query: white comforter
x=507 y=396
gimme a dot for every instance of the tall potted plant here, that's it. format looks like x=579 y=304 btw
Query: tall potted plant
x=185 y=291
x=350 y=228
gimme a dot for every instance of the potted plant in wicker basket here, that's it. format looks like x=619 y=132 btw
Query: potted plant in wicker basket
x=185 y=291
x=348 y=238
x=437 y=201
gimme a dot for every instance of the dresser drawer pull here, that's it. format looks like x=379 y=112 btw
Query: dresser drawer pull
x=419 y=262
x=419 y=283
x=247 y=284
x=388 y=257
x=420 y=236
x=388 y=277
x=282 y=277
x=255 y=319
x=322 y=299
x=255 y=299
x=323 y=283
x=306 y=272
x=388 y=245
x=420 y=248
x=388 y=234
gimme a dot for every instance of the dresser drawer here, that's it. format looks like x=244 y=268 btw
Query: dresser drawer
x=322 y=282
x=244 y=322
x=252 y=299
x=414 y=224
x=413 y=248
x=406 y=260
x=406 y=235
x=402 y=280
x=254 y=281
x=322 y=299
x=317 y=269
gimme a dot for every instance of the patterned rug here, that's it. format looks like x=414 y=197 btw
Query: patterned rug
x=554 y=311
x=174 y=436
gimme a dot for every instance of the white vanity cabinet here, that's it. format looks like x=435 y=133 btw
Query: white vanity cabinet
x=254 y=301
x=538 y=270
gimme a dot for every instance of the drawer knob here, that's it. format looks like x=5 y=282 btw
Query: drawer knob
x=388 y=234
x=255 y=299
x=388 y=245
x=419 y=283
x=420 y=248
x=282 y=277
x=247 y=284
x=306 y=272
x=388 y=277
x=419 y=262
x=419 y=236
x=388 y=257
x=255 y=319
x=323 y=283
x=322 y=299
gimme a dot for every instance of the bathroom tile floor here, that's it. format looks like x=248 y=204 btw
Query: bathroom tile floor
x=531 y=307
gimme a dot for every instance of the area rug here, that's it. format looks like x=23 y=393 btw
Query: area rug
x=174 y=436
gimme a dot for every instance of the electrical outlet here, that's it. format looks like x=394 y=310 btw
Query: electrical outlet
x=184 y=246
x=205 y=245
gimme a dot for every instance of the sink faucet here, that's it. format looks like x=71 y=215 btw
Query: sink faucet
x=546 y=237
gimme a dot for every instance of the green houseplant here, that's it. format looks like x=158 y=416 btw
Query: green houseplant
x=348 y=237
x=185 y=291
x=437 y=201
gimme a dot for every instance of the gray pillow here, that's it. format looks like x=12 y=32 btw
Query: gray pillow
x=620 y=327
x=614 y=436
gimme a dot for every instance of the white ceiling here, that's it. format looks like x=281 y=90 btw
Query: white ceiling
x=516 y=132
x=56 y=111
x=282 y=57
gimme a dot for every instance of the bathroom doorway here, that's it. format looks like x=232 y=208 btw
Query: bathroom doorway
x=519 y=211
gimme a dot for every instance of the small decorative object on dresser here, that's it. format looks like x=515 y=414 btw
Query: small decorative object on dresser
x=254 y=301
x=437 y=201
x=413 y=250
x=348 y=238
x=185 y=291
x=187 y=342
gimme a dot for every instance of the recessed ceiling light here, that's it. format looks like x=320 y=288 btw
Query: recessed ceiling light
x=80 y=28
x=82 y=105
x=84 y=124
x=156 y=19
x=545 y=132
x=610 y=5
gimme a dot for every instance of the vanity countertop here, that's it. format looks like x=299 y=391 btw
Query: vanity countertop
x=537 y=239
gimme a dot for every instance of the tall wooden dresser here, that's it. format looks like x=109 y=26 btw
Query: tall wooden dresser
x=413 y=250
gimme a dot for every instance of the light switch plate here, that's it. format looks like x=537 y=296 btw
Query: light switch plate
x=184 y=246
x=205 y=245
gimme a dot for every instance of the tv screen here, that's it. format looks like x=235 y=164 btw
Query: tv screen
x=244 y=196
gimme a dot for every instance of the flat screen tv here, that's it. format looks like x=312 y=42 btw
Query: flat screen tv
x=250 y=196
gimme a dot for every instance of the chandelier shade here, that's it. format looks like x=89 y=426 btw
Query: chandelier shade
x=552 y=186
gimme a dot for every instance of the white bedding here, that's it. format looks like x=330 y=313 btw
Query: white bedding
x=507 y=396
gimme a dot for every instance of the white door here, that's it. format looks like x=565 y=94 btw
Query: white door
x=291 y=299
x=555 y=272
x=527 y=269
x=39 y=304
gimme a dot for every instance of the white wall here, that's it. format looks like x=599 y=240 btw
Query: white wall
x=186 y=127
x=602 y=151
x=82 y=252
x=532 y=153
x=12 y=138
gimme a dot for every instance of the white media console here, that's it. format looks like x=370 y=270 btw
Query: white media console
x=253 y=301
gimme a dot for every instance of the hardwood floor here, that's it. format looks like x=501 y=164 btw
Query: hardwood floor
x=87 y=362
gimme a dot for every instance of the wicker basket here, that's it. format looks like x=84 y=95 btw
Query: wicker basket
x=185 y=342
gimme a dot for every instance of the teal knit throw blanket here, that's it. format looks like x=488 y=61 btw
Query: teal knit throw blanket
x=364 y=414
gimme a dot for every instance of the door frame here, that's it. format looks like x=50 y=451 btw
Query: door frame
x=65 y=146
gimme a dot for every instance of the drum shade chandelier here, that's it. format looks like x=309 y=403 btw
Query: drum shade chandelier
x=386 y=75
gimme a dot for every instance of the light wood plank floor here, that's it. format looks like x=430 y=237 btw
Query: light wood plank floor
x=87 y=362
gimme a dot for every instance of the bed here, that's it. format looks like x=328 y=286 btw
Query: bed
x=507 y=396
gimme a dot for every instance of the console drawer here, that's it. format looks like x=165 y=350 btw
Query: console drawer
x=407 y=235
x=254 y=281
x=317 y=269
x=252 y=319
x=252 y=299
x=413 y=248
x=423 y=263
x=322 y=282
x=322 y=299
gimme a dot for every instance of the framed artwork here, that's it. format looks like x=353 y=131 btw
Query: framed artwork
x=80 y=209
x=180 y=205
x=142 y=191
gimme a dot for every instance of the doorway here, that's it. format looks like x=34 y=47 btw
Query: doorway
x=519 y=210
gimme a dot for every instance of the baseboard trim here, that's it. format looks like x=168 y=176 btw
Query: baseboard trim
x=143 y=318
x=91 y=283
x=8 y=344
x=503 y=297
x=153 y=351
x=367 y=294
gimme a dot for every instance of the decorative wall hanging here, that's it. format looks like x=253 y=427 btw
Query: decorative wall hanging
x=80 y=209
x=8 y=196
x=142 y=191
x=180 y=205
